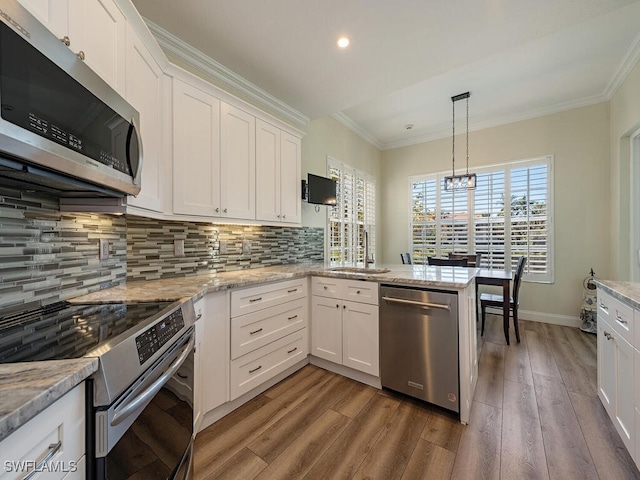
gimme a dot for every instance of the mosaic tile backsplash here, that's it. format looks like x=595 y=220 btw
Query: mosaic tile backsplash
x=214 y=248
x=46 y=255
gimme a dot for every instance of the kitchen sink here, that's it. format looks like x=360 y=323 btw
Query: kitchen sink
x=361 y=270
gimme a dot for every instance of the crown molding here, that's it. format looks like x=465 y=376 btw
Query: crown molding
x=628 y=63
x=357 y=129
x=208 y=67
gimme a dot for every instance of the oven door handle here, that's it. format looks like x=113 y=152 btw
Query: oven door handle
x=127 y=408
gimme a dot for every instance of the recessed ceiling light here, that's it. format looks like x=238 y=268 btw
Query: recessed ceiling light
x=343 y=42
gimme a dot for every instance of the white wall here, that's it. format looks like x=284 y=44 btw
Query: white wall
x=625 y=119
x=328 y=137
x=579 y=140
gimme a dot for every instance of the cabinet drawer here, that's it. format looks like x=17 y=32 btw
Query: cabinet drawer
x=258 y=366
x=621 y=319
x=257 y=329
x=360 y=291
x=326 y=287
x=605 y=304
x=253 y=299
x=62 y=423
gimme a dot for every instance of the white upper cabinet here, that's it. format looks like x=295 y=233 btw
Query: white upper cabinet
x=97 y=32
x=53 y=14
x=147 y=90
x=196 y=151
x=238 y=163
x=278 y=170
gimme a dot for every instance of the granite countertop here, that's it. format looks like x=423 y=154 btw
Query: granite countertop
x=28 y=388
x=628 y=292
x=170 y=289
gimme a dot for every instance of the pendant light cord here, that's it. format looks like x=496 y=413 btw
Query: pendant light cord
x=467 y=136
x=453 y=138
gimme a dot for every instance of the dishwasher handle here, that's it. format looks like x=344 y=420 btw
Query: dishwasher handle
x=403 y=301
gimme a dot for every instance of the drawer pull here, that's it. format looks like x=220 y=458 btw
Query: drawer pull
x=291 y=318
x=603 y=306
x=608 y=336
x=251 y=300
x=53 y=449
x=199 y=317
x=292 y=290
x=255 y=369
x=325 y=287
x=255 y=331
x=291 y=351
x=621 y=320
x=358 y=292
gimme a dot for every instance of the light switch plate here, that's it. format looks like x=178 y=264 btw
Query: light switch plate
x=178 y=247
x=103 y=247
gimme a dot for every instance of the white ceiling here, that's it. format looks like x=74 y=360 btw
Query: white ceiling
x=519 y=59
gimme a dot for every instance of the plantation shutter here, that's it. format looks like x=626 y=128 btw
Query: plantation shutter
x=489 y=219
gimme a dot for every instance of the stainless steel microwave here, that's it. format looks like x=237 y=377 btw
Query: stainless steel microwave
x=63 y=129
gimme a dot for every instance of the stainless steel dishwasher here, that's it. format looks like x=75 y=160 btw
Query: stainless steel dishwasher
x=419 y=344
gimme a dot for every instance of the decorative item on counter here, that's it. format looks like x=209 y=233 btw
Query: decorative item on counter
x=589 y=314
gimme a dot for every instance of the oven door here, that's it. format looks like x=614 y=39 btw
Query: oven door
x=148 y=431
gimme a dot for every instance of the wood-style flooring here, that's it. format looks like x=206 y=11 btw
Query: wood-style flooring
x=535 y=415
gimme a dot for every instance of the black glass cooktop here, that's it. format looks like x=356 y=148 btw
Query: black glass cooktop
x=64 y=330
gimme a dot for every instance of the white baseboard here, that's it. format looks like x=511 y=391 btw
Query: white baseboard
x=542 y=317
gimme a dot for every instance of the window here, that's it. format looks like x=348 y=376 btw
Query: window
x=509 y=214
x=354 y=213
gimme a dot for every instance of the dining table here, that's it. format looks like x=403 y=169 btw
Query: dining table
x=492 y=276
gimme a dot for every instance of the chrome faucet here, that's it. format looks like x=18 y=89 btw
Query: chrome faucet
x=367 y=261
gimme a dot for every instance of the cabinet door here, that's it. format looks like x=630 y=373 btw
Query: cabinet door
x=238 y=163
x=268 y=172
x=606 y=366
x=196 y=151
x=326 y=329
x=290 y=178
x=98 y=29
x=53 y=14
x=624 y=395
x=144 y=90
x=360 y=348
x=214 y=359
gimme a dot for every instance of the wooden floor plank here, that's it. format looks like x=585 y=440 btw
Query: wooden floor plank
x=609 y=454
x=541 y=355
x=390 y=455
x=429 y=462
x=443 y=429
x=517 y=367
x=245 y=464
x=494 y=329
x=583 y=345
x=346 y=454
x=298 y=458
x=490 y=387
x=478 y=455
x=355 y=397
x=522 y=454
x=278 y=437
x=575 y=375
x=306 y=376
x=566 y=449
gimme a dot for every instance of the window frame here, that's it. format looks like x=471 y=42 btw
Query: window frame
x=548 y=160
x=369 y=217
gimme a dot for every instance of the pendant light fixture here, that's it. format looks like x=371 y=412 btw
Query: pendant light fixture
x=468 y=180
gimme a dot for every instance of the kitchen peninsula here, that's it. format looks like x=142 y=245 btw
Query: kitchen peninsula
x=221 y=286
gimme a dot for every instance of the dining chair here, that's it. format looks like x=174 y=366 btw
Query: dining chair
x=450 y=262
x=473 y=259
x=406 y=258
x=496 y=301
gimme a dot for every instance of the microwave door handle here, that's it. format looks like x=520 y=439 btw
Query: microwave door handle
x=135 y=130
x=126 y=409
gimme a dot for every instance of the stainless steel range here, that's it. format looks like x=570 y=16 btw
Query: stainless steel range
x=140 y=401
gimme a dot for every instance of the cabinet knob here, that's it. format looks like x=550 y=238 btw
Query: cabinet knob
x=80 y=55
x=358 y=292
x=225 y=210
x=278 y=216
x=344 y=306
x=337 y=305
x=66 y=40
x=217 y=210
x=608 y=335
x=284 y=216
x=325 y=287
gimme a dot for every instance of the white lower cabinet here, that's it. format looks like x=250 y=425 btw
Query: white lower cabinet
x=214 y=352
x=53 y=441
x=268 y=332
x=344 y=331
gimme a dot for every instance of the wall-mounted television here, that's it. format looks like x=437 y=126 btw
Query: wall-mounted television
x=319 y=190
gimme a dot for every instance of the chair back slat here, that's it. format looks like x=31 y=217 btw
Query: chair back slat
x=473 y=259
x=522 y=261
x=450 y=262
